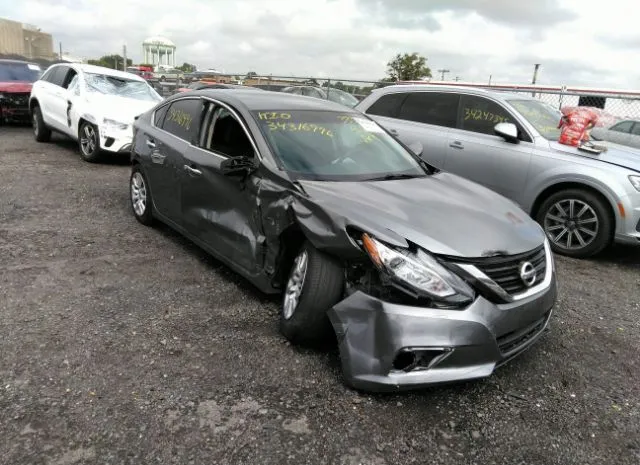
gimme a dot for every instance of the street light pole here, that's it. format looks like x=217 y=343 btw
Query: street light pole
x=443 y=72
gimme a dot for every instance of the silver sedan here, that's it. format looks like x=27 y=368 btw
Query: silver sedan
x=626 y=132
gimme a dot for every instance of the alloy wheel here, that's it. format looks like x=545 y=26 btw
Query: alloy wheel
x=295 y=284
x=571 y=224
x=88 y=140
x=138 y=194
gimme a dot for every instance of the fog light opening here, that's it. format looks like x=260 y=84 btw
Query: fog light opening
x=406 y=360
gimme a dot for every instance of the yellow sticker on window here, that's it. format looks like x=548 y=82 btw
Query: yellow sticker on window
x=476 y=114
x=180 y=117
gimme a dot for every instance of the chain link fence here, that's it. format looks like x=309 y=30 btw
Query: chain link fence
x=618 y=105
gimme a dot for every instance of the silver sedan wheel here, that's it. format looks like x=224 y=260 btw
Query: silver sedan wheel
x=571 y=224
x=295 y=285
x=138 y=194
x=88 y=140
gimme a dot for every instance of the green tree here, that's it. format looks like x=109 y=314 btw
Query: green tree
x=111 y=61
x=251 y=74
x=187 y=67
x=408 y=67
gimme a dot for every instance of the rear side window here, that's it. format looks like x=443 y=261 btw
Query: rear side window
x=636 y=129
x=478 y=114
x=439 y=109
x=183 y=119
x=58 y=75
x=387 y=105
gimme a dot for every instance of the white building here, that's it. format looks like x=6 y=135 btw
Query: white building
x=159 y=51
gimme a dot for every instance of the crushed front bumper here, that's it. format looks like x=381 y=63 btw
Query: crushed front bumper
x=116 y=141
x=377 y=339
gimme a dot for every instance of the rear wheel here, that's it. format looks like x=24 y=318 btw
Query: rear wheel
x=40 y=130
x=89 y=142
x=316 y=283
x=577 y=222
x=140 y=196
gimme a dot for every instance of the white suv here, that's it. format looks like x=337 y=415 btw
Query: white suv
x=94 y=105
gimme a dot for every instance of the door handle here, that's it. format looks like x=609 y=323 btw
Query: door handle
x=151 y=144
x=456 y=145
x=192 y=171
x=157 y=157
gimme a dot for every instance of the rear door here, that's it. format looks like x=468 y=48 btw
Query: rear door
x=476 y=153
x=220 y=210
x=422 y=116
x=176 y=129
x=52 y=97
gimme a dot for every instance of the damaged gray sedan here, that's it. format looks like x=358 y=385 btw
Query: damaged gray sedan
x=424 y=277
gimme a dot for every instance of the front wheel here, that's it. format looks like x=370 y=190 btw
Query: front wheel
x=89 y=142
x=316 y=283
x=577 y=222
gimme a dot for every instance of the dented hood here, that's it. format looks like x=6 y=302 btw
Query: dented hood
x=442 y=213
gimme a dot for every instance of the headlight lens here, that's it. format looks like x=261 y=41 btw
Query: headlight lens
x=420 y=271
x=635 y=180
x=113 y=124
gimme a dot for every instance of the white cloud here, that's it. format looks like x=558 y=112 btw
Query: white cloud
x=577 y=42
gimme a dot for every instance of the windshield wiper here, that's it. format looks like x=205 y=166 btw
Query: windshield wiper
x=391 y=177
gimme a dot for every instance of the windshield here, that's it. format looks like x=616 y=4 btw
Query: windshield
x=339 y=96
x=542 y=116
x=22 y=72
x=111 y=85
x=335 y=146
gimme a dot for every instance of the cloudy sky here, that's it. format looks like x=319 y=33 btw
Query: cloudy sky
x=578 y=42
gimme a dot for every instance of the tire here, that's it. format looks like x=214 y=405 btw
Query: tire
x=322 y=286
x=162 y=78
x=140 y=196
x=40 y=130
x=595 y=225
x=89 y=142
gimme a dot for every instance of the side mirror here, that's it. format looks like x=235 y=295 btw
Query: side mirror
x=508 y=131
x=416 y=147
x=238 y=166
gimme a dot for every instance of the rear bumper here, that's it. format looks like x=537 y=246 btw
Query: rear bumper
x=377 y=339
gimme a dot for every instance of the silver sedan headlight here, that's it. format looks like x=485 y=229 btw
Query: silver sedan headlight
x=635 y=181
x=419 y=271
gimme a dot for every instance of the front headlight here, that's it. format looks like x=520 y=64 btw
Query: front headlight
x=635 y=180
x=113 y=124
x=419 y=271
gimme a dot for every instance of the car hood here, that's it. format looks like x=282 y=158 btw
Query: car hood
x=16 y=87
x=122 y=109
x=616 y=154
x=443 y=213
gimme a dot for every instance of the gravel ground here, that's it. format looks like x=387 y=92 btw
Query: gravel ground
x=124 y=344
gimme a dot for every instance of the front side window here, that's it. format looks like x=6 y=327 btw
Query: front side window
x=624 y=127
x=182 y=119
x=19 y=72
x=222 y=133
x=121 y=87
x=387 y=105
x=334 y=146
x=478 y=114
x=439 y=109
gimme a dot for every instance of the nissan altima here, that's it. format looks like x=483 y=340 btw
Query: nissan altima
x=423 y=276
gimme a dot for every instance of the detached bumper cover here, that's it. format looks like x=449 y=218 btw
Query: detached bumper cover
x=471 y=342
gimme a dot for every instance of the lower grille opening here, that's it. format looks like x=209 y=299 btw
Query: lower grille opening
x=513 y=341
x=108 y=142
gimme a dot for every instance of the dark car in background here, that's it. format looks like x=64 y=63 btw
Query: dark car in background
x=199 y=85
x=333 y=94
x=16 y=79
x=424 y=277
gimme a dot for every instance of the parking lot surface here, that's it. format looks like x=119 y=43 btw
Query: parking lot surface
x=125 y=344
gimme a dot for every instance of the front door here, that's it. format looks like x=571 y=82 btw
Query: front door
x=476 y=153
x=221 y=210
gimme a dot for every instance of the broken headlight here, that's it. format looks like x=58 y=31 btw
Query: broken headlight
x=418 y=271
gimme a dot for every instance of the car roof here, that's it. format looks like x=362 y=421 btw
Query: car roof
x=255 y=101
x=102 y=70
x=17 y=62
x=497 y=94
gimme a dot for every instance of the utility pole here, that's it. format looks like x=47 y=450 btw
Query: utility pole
x=536 y=67
x=60 y=44
x=443 y=72
x=457 y=78
x=124 y=56
x=490 y=76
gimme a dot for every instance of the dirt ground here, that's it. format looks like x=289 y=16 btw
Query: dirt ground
x=122 y=344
